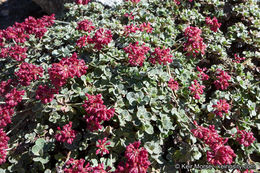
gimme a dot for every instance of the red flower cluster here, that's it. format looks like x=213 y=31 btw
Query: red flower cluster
x=28 y=72
x=3 y=146
x=134 y=1
x=173 y=84
x=15 y=52
x=136 y=53
x=83 y=2
x=77 y=166
x=146 y=27
x=81 y=42
x=194 y=42
x=162 y=56
x=45 y=94
x=222 y=79
x=238 y=59
x=101 y=38
x=203 y=76
x=137 y=159
x=244 y=138
x=102 y=147
x=96 y=112
x=221 y=107
x=85 y=25
x=213 y=23
x=66 y=68
x=220 y=154
x=5 y=115
x=66 y=134
x=13 y=98
x=196 y=89
x=5 y=86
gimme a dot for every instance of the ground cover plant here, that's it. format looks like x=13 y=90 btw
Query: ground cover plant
x=146 y=86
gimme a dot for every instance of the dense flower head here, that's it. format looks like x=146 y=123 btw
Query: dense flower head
x=15 y=33
x=14 y=97
x=128 y=29
x=96 y=112
x=221 y=107
x=5 y=86
x=66 y=134
x=244 y=138
x=146 y=27
x=238 y=59
x=202 y=75
x=136 y=53
x=137 y=159
x=28 y=72
x=101 y=38
x=85 y=25
x=83 y=2
x=161 y=56
x=209 y=136
x=15 y=52
x=3 y=146
x=196 y=89
x=173 y=84
x=45 y=93
x=213 y=23
x=221 y=155
x=81 y=42
x=77 y=166
x=66 y=68
x=194 y=44
x=102 y=145
x=222 y=79
x=5 y=115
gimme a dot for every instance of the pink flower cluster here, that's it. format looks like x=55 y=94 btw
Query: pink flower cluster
x=173 y=84
x=45 y=93
x=213 y=23
x=83 y=2
x=194 y=44
x=102 y=145
x=238 y=59
x=220 y=153
x=137 y=159
x=28 y=72
x=101 y=38
x=130 y=16
x=65 y=69
x=136 y=53
x=244 y=138
x=96 y=111
x=85 y=25
x=16 y=52
x=66 y=134
x=222 y=79
x=5 y=86
x=81 y=42
x=128 y=29
x=13 y=98
x=79 y=166
x=202 y=75
x=221 y=107
x=196 y=89
x=3 y=146
x=161 y=56
x=5 y=115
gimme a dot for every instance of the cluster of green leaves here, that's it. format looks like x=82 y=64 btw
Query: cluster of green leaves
x=146 y=108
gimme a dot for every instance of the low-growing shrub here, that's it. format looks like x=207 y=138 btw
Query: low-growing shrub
x=144 y=86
